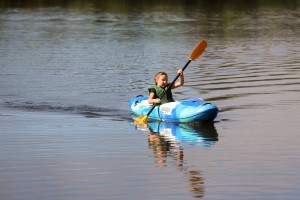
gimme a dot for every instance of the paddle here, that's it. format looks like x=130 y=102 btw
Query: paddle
x=197 y=52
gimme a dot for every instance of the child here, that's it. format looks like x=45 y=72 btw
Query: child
x=161 y=84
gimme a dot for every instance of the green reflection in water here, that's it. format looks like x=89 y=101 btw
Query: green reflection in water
x=129 y=5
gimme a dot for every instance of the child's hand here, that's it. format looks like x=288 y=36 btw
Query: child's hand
x=157 y=100
x=180 y=72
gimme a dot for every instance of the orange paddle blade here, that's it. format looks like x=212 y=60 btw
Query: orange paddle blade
x=198 y=51
x=141 y=120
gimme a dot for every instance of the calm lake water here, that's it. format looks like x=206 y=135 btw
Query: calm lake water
x=67 y=72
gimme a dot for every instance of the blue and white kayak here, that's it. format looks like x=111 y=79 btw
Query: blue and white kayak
x=178 y=111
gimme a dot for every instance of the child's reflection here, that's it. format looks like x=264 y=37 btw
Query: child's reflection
x=164 y=149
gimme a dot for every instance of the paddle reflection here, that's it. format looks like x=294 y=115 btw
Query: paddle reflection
x=168 y=140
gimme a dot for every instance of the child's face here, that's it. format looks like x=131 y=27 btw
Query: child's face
x=162 y=80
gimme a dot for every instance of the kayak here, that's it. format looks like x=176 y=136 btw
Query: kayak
x=178 y=111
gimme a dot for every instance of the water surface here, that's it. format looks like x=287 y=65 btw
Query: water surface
x=67 y=72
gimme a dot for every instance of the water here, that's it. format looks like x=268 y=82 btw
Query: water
x=67 y=72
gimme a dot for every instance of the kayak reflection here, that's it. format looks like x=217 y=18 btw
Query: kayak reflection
x=167 y=141
x=190 y=134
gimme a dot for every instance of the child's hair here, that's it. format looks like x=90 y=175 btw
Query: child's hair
x=158 y=74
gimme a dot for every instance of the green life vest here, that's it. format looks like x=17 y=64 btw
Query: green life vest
x=159 y=91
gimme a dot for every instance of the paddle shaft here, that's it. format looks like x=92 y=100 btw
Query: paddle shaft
x=169 y=88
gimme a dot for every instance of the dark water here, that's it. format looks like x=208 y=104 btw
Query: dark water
x=68 y=70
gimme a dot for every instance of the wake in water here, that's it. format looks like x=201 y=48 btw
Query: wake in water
x=86 y=110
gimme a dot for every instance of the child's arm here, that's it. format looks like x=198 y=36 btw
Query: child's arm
x=151 y=99
x=180 y=82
